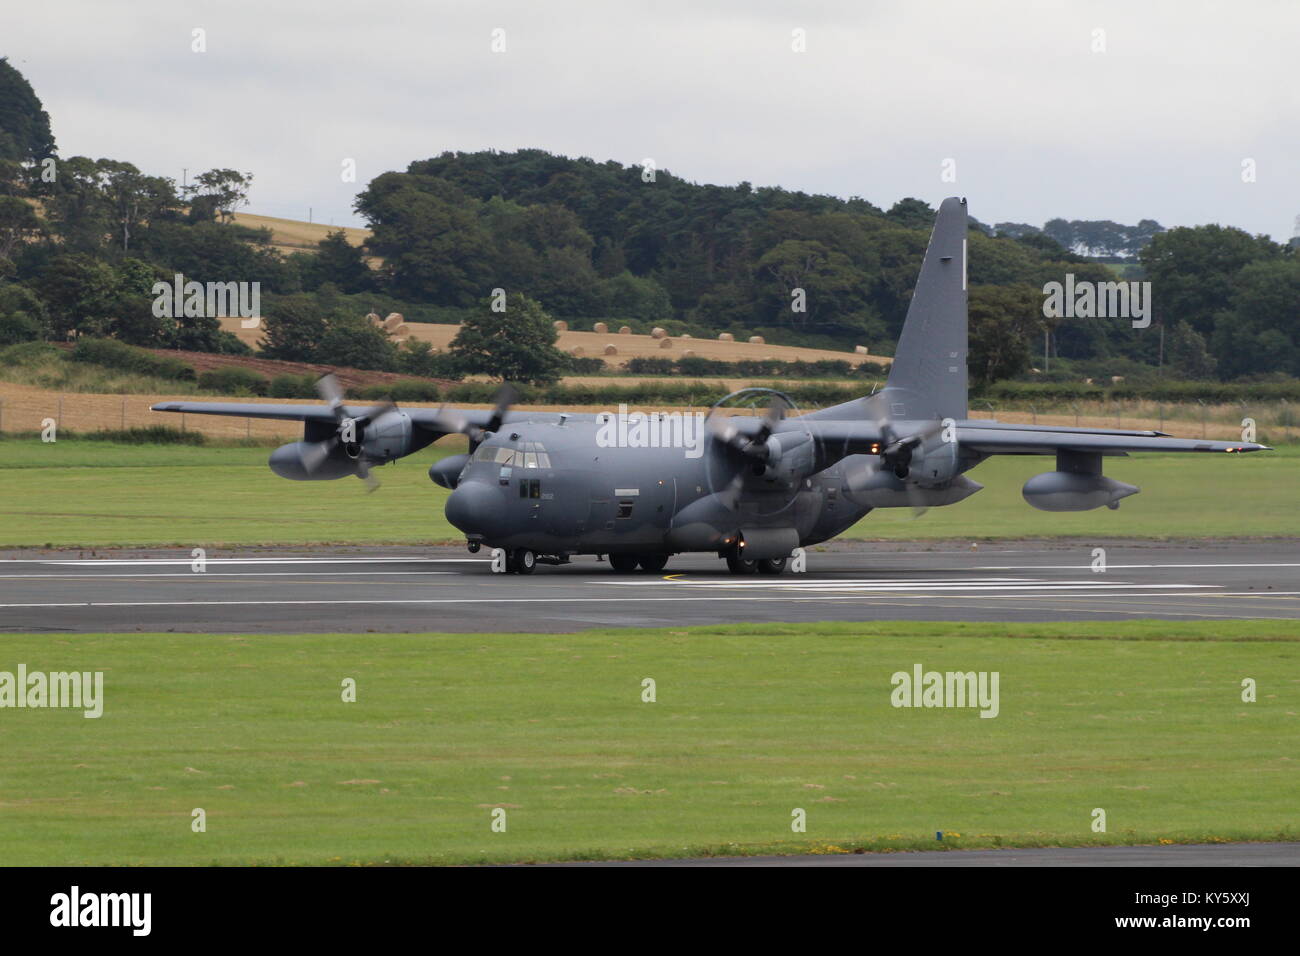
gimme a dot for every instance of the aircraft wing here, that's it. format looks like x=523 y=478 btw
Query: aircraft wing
x=845 y=436
x=423 y=417
x=292 y=413
x=996 y=438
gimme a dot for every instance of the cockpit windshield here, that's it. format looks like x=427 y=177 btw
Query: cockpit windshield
x=529 y=454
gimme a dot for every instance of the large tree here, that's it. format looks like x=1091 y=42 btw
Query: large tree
x=1005 y=321
x=517 y=345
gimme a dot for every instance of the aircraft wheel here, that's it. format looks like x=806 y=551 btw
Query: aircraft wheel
x=653 y=563
x=771 y=566
x=738 y=565
x=623 y=563
x=523 y=561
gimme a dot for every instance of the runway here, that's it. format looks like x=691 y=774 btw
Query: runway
x=444 y=589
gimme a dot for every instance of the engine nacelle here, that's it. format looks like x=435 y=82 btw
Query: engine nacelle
x=338 y=450
x=790 y=457
x=876 y=487
x=1072 y=491
x=290 y=461
x=447 y=472
x=387 y=437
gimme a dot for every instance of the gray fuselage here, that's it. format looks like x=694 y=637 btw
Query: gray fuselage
x=557 y=489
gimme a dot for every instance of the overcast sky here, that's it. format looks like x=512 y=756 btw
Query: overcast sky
x=1038 y=124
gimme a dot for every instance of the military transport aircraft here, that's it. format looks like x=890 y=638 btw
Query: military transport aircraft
x=545 y=486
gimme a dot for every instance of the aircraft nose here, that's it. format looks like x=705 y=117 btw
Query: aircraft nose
x=474 y=508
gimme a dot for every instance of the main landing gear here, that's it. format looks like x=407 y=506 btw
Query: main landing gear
x=628 y=563
x=521 y=561
x=738 y=564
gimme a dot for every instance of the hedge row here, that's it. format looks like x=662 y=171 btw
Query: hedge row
x=113 y=354
x=1212 y=393
x=695 y=366
x=648 y=393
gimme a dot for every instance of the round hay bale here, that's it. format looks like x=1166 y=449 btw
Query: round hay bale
x=578 y=352
x=393 y=320
x=658 y=333
x=560 y=325
x=400 y=329
x=600 y=327
x=726 y=337
x=860 y=350
x=689 y=353
x=665 y=343
x=684 y=335
x=625 y=330
x=611 y=350
x=757 y=340
x=374 y=318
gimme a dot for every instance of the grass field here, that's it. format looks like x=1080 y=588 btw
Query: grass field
x=94 y=494
x=1143 y=720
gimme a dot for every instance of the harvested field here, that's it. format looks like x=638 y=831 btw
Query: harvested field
x=628 y=346
x=290 y=235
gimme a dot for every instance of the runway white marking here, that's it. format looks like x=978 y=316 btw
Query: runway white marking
x=162 y=562
x=216 y=574
x=869 y=585
x=1121 y=567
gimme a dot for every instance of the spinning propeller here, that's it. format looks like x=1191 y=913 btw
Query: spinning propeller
x=348 y=436
x=453 y=420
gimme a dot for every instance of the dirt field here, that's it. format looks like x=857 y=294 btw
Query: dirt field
x=348 y=377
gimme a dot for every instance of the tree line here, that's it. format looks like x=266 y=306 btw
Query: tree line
x=83 y=240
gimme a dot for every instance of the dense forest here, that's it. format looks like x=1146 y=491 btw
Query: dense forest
x=83 y=240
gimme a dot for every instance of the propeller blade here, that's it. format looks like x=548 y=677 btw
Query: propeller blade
x=327 y=386
x=506 y=396
x=724 y=429
x=365 y=474
x=314 y=455
x=454 y=421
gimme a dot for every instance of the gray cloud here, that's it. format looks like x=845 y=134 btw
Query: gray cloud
x=1039 y=125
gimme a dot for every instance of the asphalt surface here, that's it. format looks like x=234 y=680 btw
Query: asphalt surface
x=444 y=589
x=1201 y=854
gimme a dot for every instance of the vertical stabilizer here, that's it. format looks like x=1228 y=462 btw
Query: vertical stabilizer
x=928 y=377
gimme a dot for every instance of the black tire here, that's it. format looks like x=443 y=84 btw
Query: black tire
x=522 y=561
x=738 y=565
x=771 y=565
x=623 y=563
x=653 y=563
